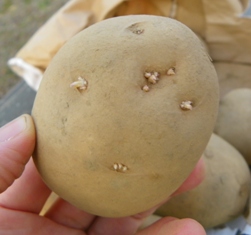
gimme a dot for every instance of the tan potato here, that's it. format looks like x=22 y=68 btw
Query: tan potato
x=123 y=114
x=224 y=193
x=232 y=76
x=233 y=122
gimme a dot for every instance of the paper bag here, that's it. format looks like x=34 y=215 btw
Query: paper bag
x=219 y=23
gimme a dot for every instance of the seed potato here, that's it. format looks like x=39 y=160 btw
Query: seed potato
x=232 y=76
x=222 y=196
x=233 y=122
x=123 y=114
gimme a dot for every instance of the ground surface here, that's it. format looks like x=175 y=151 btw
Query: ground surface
x=19 y=20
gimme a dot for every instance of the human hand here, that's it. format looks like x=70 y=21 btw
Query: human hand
x=23 y=194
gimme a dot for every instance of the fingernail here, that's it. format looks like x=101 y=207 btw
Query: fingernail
x=12 y=129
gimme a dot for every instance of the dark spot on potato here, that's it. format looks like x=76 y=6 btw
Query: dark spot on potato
x=136 y=28
x=154 y=176
x=67 y=105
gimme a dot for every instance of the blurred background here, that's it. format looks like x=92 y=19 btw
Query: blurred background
x=19 y=21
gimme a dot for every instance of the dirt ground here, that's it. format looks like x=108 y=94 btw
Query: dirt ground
x=19 y=20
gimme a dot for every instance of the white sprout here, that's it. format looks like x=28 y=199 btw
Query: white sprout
x=81 y=84
x=186 y=105
x=147 y=74
x=146 y=88
x=156 y=74
x=153 y=79
x=119 y=167
x=171 y=71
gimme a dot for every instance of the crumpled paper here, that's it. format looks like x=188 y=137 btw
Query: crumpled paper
x=219 y=23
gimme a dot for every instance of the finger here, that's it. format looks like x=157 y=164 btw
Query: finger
x=194 y=179
x=170 y=225
x=27 y=193
x=66 y=214
x=16 y=146
x=119 y=226
x=20 y=223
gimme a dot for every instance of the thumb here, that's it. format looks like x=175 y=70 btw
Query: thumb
x=170 y=225
x=17 y=141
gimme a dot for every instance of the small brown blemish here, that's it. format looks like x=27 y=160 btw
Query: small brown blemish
x=64 y=120
x=137 y=28
x=186 y=105
x=67 y=105
x=155 y=176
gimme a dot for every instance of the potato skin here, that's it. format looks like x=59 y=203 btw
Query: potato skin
x=81 y=134
x=233 y=122
x=224 y=193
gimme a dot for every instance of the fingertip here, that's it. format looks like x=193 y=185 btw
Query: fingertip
x=199 y=171
x=182 y=227
x=30 y=132
x=19 y=135
x=29 y=125
x=171 y=225
x=201 y=166
x=194 y=179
